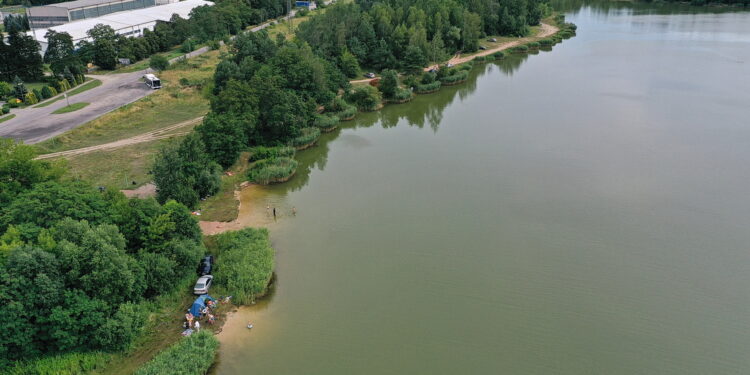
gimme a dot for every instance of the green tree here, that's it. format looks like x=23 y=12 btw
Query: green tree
x=185 y=172
x=158 y=63
x=349 y=64
x=60 y=52
x=366 y=98
x=104 y=52
x=414 y=59
x=26 y=61
x=388 y=83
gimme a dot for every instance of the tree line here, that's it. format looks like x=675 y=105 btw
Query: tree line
x=79 y=265
x=407 y=35
x=20 y=56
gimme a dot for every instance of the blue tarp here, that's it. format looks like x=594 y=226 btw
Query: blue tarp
x=199 y=304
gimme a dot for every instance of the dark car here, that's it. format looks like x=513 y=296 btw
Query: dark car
x=482 y=47
x=370 y=75
x=207 y=264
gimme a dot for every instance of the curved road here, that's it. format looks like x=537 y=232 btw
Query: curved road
x=33 y=125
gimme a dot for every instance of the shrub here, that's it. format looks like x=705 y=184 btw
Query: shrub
x=565 y=34
x=306 y=137
x=30 y=98
x=70 y=363
x=347 y=113
x=499 y=55
x=14 y=103
x=456 y=78
x=245 y=263
x=533 y=45
x=53 y=90
x=427 y=87
x=366 y=98
x=46 y=92
x=158 y=63
x=402 y=95
x=546 y=42
x=261 y=152
x=187 y=47
x=268 y=171
x=326 y=123
x=37 y=94
x=214 y=45
x=467 y=66
x=63 y=85
x=427 y=77
x=520 y=49
x=192 y=355
x=6 y=109
x=479 y=59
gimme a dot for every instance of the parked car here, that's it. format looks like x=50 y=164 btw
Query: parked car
x=482 y=47
x=492 y=40
x=370 y=75
x=206 y=265
x=448 y=65
x=202 y=285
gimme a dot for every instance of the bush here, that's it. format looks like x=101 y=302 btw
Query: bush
x=402 y=95
x=302 y=12
x=533 y=45
x=53 y=90
x=46 y=92
x=466 y=67
x=187 y=47
x=158 y=63
x=520 y=49
x=546 y=42
x=366 y=98
x=192 y=355
x=326 y=123
x=499 y=55
x=268 y=171
x=565 y=34
x=6 y=109
x=456 y=78
x=63 y=85
x=69 y=364
x=347 y=113
x=30 y=98
x=261 y=152
x=428 y=87
x=306 y=137
x=14 y=103
x=214 y=45
x=245 y=263
x=37 y=94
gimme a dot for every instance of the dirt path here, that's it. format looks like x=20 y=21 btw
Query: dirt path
x=145 y=137
x=546 y=31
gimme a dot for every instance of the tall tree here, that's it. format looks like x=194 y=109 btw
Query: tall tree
x=60 y=53
x=26 y=61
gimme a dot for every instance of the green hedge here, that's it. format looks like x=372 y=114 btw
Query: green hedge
x=65 y=364
x=499 y=55
x=245 y=263
x=520 y=49
x=307 y=136
x=261 y=152
x=272 y=170
x=427 y=87
x=192 y=355
x=546 y=42
x=402 y=95
x=347 y=113
x=534 y=45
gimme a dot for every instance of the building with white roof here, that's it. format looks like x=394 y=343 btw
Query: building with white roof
x=130 y=23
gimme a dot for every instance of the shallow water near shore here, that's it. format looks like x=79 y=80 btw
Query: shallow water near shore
x=577 y=211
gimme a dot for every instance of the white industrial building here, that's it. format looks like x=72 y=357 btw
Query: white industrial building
x=130 y=23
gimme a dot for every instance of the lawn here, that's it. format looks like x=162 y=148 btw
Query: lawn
x=6 y=118
x=170 y=105
x=86 y=86
x=71 y=108
x=116 y=168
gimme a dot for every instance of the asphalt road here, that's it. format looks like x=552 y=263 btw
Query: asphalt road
x=33 y=125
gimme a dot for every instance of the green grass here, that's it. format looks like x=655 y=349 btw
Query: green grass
x=81 y=88
x=307 y=136
x=171 y=105
x=70 y=363
x=192 y=355
x=8 y=117
x=261 y=152
x=223 y=206
x=71 y=108
x=143 y=64
x=245 y=263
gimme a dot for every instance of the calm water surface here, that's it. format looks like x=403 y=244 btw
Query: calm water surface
x=579 y=211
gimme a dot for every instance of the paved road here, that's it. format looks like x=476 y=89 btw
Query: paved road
x=33 y=125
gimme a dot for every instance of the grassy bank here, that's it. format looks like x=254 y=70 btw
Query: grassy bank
x=71 y=108
x=192 y=355
x=173 y=104
x=223 y=206
x=6 y=118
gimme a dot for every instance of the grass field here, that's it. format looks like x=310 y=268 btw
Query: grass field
x=71 y=108
x=168 y=106
x=6 y=118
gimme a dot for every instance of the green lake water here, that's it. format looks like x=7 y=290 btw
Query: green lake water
x=584 y=210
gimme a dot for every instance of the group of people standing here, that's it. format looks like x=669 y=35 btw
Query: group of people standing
x=193 y=322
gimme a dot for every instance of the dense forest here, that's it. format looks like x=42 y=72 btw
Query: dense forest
x=399 y=34
x=78 y=264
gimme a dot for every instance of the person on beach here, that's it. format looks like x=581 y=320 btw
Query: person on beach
x=189 y=317
x=274 y=212
x=211 y=319
x=294 y=211
x=197 y=326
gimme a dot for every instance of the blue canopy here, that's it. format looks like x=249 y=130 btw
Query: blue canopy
x=199 y=304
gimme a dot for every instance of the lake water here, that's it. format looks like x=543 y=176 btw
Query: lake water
x=579 y=211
